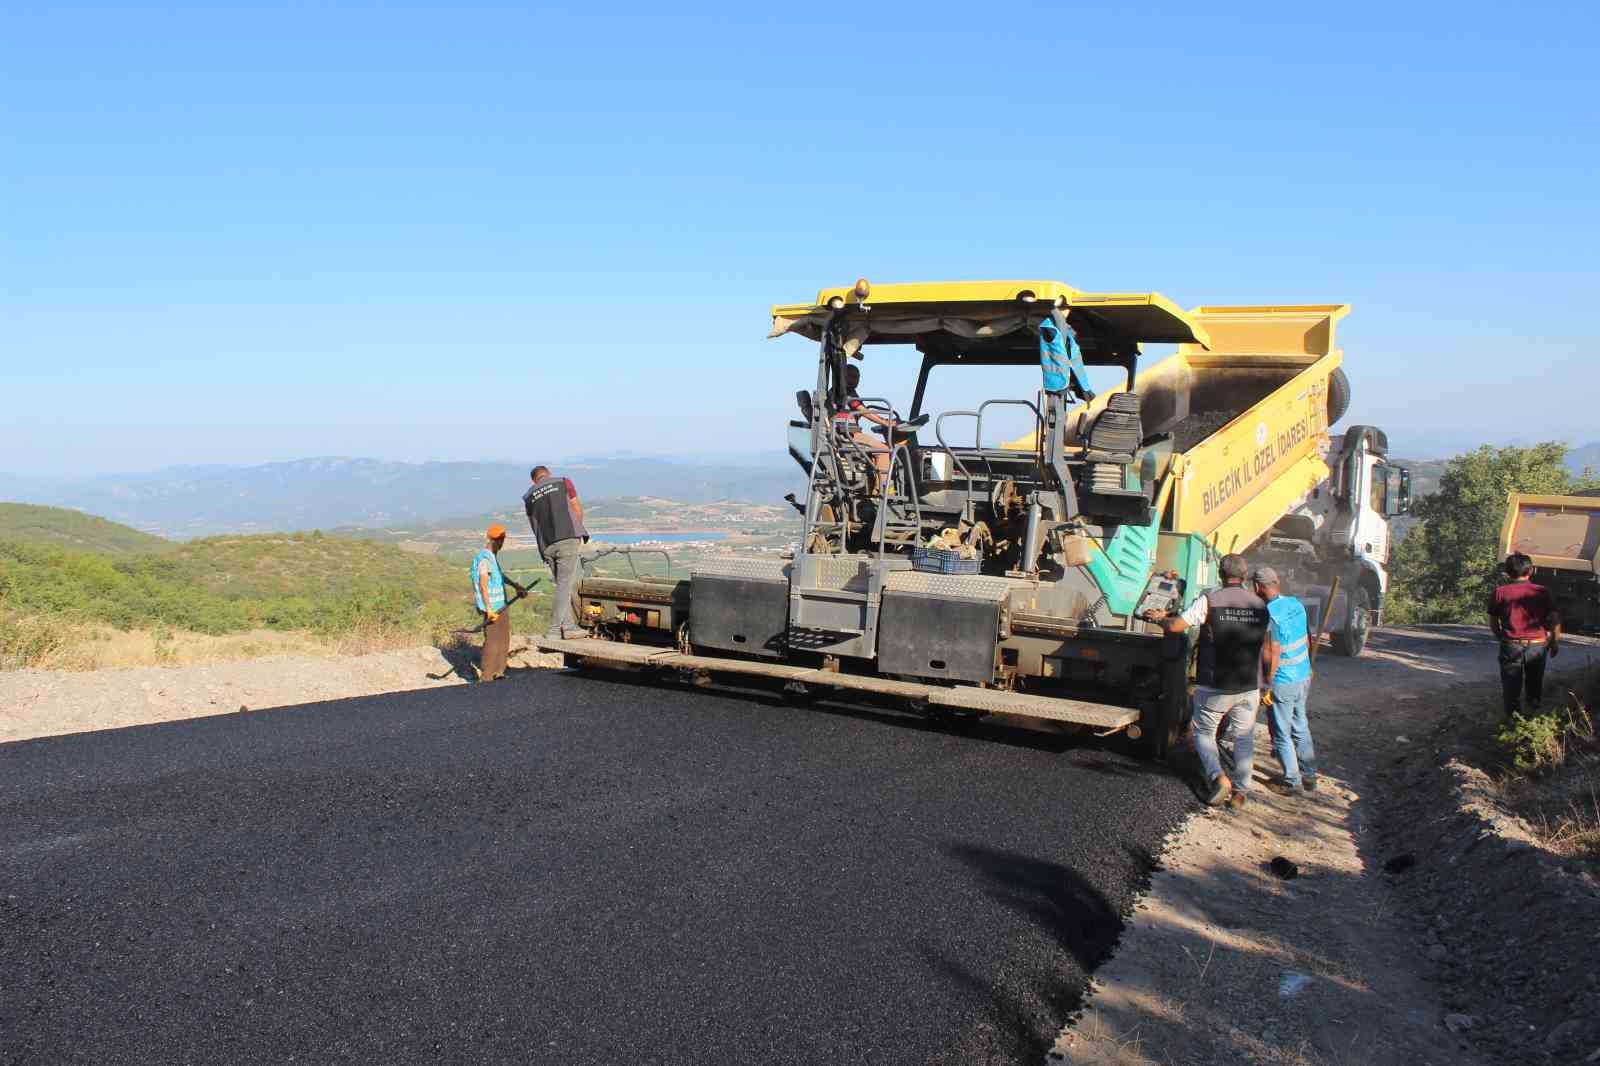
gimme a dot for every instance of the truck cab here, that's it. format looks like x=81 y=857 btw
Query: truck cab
x=1341 y=528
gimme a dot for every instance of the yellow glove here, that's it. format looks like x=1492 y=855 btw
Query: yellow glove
x=494 y=616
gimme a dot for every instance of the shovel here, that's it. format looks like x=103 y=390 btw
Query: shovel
x=522 y=591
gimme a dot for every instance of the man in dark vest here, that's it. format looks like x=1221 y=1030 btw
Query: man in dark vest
x=1234 y=627
x=556 y=517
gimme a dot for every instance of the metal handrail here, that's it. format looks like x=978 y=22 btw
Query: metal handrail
x=628 y=551
x=882 y=401
x=1038 y=428
x=977 y=440
x=1038 y=419
x=938 y=434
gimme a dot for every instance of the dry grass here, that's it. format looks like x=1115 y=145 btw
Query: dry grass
x=370 y=635
x=103 y=648
x=1201 y=967
x=1574 y=831
x=26 y=641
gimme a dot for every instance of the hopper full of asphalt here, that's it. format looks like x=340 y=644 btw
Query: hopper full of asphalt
x=560 y=869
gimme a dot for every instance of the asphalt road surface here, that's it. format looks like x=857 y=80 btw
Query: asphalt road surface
x=560 y=869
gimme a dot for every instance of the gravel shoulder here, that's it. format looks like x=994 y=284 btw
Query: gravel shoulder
x=43 y=703
x=1225 y=962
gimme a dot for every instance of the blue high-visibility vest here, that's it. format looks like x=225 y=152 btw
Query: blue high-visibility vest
x=1060 y=359
x=1294 y=641
x=485 y=561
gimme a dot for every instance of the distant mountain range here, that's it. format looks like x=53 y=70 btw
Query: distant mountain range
x=1586 y=458
x=1444 y=443
x=197 y=501
x=325 y=493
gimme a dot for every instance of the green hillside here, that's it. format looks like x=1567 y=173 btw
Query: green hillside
x=270 y=565
x=303 y=582
x=61 y=528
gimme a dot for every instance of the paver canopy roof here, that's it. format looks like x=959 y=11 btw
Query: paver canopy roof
x=979 y=310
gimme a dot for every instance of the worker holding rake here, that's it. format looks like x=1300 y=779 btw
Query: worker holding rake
x=489 y=590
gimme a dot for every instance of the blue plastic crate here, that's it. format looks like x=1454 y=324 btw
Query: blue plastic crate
x=942 y=561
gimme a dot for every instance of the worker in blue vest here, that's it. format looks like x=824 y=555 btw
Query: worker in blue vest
x=1286 y=667
x=489 y=591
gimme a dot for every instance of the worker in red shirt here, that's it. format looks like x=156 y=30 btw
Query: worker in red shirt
x=848 y=422
x=1525 y=621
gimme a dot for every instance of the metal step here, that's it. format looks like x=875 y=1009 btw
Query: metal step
x=964 y=697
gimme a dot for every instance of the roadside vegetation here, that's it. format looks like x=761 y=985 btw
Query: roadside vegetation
x=1449 y=561
x=1444 y=570
x=1553 y=774
x=360 y=594
x=1540 y=743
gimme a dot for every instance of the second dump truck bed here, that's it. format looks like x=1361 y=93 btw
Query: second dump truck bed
x=1561 y=534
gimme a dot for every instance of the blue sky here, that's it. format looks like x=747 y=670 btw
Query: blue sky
x=241 y=233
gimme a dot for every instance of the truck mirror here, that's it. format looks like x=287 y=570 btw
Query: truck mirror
x=1400 y=502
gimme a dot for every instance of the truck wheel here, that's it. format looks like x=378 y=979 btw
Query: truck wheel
x=1338 y=395
x=1163 y=729
x=1351 y=639
x=1167 y=715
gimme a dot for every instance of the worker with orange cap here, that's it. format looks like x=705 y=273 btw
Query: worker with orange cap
x=489 y=589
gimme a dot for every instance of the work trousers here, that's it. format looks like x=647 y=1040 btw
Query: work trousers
x=1238 y=709
x=1522 y=670
x=564 y=558
x=1291 y=732
x=496 y=646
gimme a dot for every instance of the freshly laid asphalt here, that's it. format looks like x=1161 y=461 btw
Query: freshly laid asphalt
x=560 y=869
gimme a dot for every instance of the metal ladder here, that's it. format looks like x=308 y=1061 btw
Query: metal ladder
x=899 y=518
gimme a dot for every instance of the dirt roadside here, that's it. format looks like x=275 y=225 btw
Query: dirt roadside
x=1344 y=963
x=40 y=703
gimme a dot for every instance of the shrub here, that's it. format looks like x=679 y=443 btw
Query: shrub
x=1543 y=741
x=26 y=642
x=305 y=582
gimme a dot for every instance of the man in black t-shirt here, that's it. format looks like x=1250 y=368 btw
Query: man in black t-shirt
x=556 y=517
x=1234 y=626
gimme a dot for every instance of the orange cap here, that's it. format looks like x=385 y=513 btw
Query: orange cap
x=497 y=531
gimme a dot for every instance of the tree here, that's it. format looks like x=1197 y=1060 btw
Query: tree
x=1447 y=566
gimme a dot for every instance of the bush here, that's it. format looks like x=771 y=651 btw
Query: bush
x=26 y=642
x=1542 y=742
x=305 y=582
